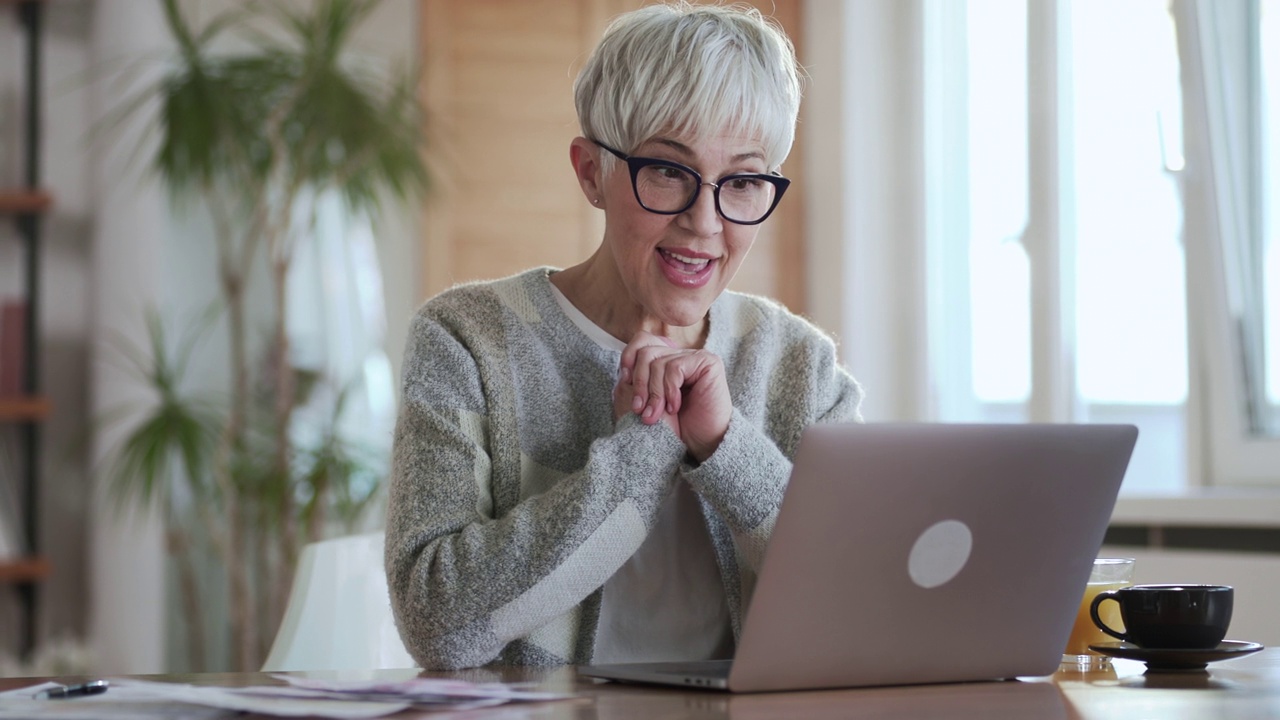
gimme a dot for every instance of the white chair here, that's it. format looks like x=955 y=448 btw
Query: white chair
x=339 y=613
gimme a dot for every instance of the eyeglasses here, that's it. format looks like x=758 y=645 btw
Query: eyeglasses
x=669 y=188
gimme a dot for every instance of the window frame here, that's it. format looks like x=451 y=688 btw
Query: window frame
x=1222 y=204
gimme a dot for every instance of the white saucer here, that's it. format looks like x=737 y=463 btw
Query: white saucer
x=1175 y=658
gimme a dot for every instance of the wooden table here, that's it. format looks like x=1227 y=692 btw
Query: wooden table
x=1247 y=687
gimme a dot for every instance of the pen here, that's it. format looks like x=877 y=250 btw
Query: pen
x=93 y=687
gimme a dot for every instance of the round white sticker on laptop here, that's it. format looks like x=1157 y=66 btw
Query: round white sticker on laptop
x=940 y=553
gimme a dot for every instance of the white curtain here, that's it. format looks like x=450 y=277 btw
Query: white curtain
x=337 y=328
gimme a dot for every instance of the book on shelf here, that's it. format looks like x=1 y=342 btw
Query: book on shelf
x=13 y=339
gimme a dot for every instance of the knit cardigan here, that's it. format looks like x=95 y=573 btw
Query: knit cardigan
x=515 y=495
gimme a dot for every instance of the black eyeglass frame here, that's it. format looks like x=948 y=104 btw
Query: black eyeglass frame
x=636 y=164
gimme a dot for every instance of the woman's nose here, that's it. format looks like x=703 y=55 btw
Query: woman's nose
x=702 y=216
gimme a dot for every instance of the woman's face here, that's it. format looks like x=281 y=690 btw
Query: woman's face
x=675 y=266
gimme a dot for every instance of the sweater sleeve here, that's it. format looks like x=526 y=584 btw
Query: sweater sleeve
x=744 y=480
x=465 y=582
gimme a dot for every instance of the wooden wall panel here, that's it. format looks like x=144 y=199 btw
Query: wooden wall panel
x=498 y=88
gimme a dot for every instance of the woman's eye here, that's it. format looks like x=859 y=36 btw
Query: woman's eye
x=744 y=184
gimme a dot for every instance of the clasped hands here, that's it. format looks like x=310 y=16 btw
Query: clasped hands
x=685 y=388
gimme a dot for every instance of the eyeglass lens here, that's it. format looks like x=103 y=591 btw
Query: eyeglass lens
x=666 y=189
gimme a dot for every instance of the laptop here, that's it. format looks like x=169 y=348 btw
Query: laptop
x=920 y=553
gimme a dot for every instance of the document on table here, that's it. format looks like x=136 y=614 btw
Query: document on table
x=302 y=697
x=20 y=704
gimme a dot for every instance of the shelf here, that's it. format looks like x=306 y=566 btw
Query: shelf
x=24 y=408
x=26 y=570
x=23 y=201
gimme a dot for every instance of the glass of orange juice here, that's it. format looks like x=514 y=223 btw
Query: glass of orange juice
x=1108 y=574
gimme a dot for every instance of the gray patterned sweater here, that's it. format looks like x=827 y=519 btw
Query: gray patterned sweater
x=515 y=495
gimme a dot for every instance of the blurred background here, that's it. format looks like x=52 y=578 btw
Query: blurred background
x=1004 y=210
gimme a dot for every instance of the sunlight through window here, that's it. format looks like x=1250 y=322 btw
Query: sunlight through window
x=1000 y=280
x=1130 y=283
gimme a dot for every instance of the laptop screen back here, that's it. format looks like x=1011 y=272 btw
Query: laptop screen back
x=929 y=553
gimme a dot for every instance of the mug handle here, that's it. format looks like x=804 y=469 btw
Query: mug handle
x=1093 y=613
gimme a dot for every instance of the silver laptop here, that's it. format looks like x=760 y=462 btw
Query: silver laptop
x=920 y=553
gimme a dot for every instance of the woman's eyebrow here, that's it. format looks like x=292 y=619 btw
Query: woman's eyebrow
x=688 y=152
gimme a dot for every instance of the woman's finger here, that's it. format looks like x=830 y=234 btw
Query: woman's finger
x=642 y=339
x=643 y=379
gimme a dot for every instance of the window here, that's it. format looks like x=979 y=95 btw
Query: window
x=1269 y=61
x=999 y=271
x=1065 y=223
x=1056 y=211
x=1125 y=144
x=1231 y=135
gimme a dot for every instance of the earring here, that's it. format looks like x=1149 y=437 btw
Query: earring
x=595 y=201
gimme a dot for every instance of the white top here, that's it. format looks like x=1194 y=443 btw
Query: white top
x=667 y=601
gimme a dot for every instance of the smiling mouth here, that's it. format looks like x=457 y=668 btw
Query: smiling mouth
x=684 y=263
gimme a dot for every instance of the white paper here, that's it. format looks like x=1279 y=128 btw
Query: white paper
x=303 y=697
x=28 y=692
x=21 y=704
x=420 y=689
x=236 y=699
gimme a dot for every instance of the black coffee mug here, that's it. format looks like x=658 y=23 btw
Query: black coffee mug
x=1189 y=617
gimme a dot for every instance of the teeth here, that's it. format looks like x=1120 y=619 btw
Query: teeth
x=687 y=260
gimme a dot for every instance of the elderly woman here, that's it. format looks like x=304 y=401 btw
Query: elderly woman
x=589 y=461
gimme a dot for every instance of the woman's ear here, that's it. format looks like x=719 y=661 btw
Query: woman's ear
x=585 y=157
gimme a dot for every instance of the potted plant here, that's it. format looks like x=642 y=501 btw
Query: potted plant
x=257 y=138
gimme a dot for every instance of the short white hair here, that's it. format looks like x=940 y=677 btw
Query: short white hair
x=694 y=71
